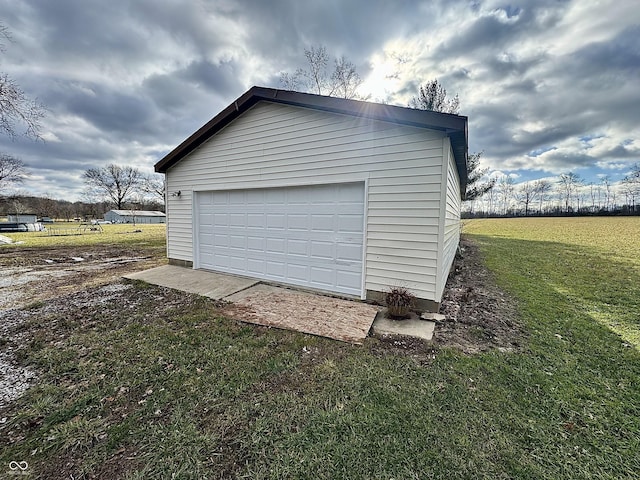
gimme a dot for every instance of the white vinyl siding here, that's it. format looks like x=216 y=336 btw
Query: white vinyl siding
x=450 y=219
x=273 y=145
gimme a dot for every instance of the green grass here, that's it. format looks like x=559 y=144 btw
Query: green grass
x=179 y=392
x=591 y=263
x=123 y=234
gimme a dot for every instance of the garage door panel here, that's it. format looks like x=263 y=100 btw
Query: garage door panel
x=255 y=220
x=322 y=223
x=276 y=220
x=206 y=199
x=218 y=240
x=297 y=196
x=237 y=263
x=348 y=280
x=220 y=260
x=348 y=252
x=275 y=196
x=297 y=247
x=255 y=197
x=276 y=269
x=219 y=219
x=237 y=220
x=348 y=194
x=322 y=276
x=275 y=245
x=256 y=266
x=238 y=242
x=297 y=271
x=298 y=222
x=350 y=223
x=322 y=250
x=255 y=244
x=237 y=197
x=218 y=198
x=309 y=236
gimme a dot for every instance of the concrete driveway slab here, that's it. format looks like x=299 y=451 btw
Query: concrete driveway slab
x=254 y=302
x=207 y=284
x=413 y=326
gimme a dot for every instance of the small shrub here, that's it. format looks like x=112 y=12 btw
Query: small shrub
x=399 y=301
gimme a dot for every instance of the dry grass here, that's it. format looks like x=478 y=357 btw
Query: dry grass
x=613 y=237
x=125 y=234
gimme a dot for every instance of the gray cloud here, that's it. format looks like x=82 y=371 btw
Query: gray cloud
x=501 y=29
x=127 y=81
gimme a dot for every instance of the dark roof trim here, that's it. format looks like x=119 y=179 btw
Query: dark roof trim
x=454 y=126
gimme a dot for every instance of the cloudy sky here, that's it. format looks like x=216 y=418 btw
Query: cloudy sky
x=549 y=86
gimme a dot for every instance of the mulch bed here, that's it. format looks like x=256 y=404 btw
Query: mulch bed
x=479 y=315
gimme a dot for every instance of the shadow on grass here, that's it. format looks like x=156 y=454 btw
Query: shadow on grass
x=562 y=284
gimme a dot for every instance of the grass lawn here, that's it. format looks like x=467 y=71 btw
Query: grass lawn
x=169 y=389
x=75 y=234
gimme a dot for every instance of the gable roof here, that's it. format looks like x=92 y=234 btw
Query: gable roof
x=454 y=126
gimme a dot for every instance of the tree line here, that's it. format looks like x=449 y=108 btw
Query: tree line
x=569 y=195
x=56 y=209
x=113 y=186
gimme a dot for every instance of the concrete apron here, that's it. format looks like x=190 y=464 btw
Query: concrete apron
x=255 y=302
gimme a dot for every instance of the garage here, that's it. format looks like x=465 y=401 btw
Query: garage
x=309 y=236
x=319 y=192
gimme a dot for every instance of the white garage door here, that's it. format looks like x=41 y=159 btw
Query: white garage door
x=309 y=236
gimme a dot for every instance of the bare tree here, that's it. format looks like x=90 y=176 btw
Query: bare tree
x=606 y=183
x=433 y=96
x=47 y=207
x=526 y=195
x=567 y=186
x=154 y=185
x=18 y=208
x=343 y=81
x=17 y=111
x=12 y=170
x=631 y=186
x=543 y=187
x=492 y=197
x=506 y=188
x=113 y=182
x=593 y=193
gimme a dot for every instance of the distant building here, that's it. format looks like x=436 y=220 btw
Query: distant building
x=22 y=218
x=135 y=216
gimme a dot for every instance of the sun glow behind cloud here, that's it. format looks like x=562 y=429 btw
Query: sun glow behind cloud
x=548 y=87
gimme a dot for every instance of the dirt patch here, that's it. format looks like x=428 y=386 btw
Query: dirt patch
x=479 y=315
x=38 y=274
x=46 y=277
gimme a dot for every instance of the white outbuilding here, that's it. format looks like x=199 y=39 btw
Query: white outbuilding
x=135 y=216
x=336 y=195
x=22 y=218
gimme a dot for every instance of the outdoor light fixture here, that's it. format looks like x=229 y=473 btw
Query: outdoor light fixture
x=176 y=194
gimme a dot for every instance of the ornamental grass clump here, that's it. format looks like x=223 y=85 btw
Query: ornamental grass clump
x=399 y=301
